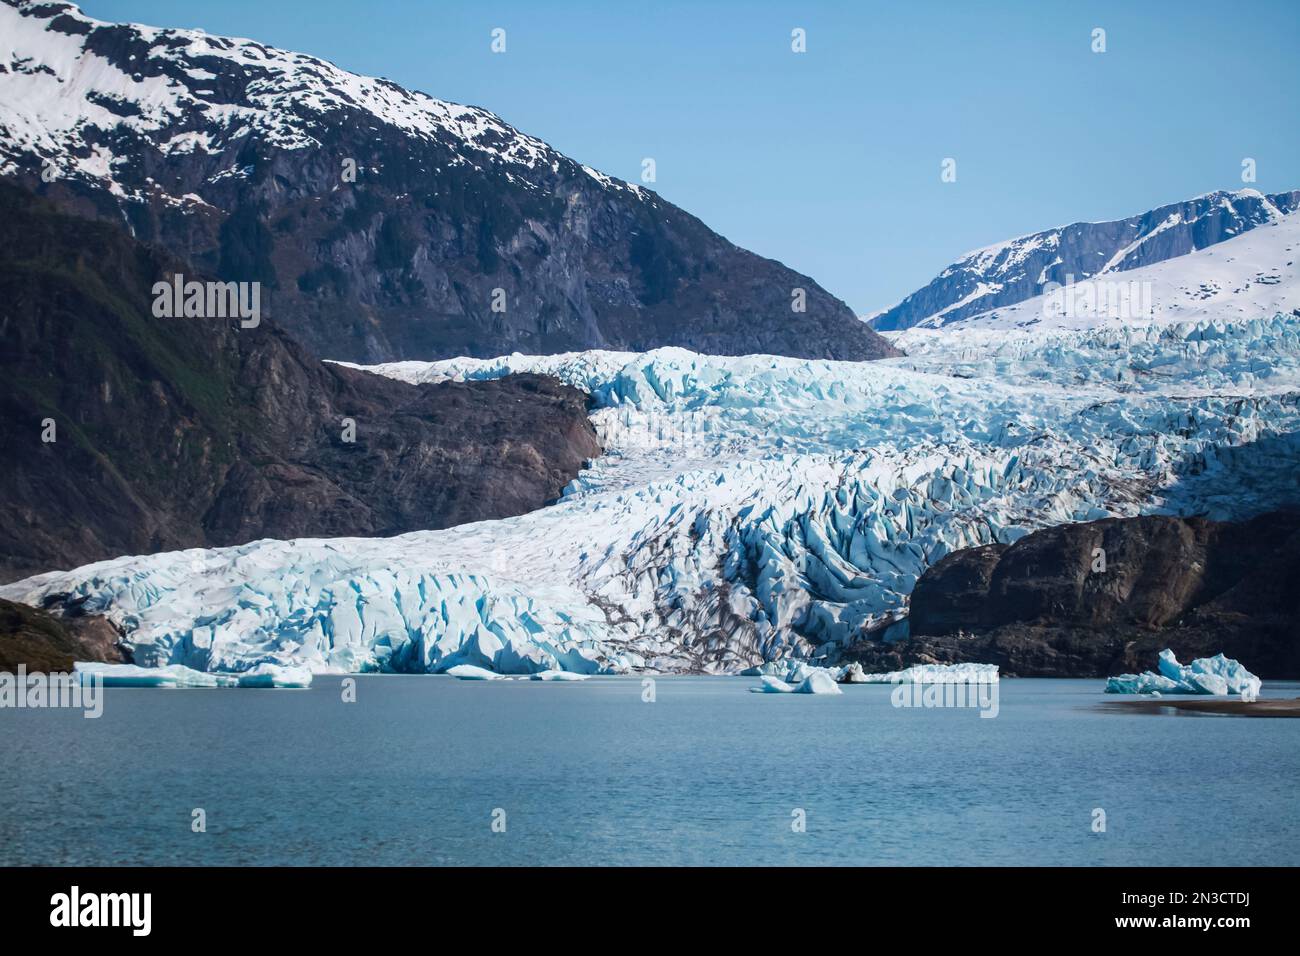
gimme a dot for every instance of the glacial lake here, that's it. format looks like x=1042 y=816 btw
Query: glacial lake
x=417 y=768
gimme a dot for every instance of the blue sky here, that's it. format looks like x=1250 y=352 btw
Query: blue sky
x=830 y=160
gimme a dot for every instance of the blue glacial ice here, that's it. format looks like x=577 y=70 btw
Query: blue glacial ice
x=178 y=675
x=131 y=675
x=818 y=682
x=747 y=510
x=1218 y=675
x=771 y=685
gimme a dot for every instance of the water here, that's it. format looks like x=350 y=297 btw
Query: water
x=589 y=774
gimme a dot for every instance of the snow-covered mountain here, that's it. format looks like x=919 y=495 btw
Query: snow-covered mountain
x=1019 y=270
x=1253 y=275
x=383 y=223
x=747 y=508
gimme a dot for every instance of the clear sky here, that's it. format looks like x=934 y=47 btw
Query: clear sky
x=830 y=160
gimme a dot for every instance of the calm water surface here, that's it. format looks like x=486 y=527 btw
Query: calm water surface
x=587 y=773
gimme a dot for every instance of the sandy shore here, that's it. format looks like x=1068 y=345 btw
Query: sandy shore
x=1228 y=706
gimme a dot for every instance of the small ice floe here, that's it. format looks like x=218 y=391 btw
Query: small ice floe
x=1218 y=676
x=276 y=675
x=818 y=682
x=799 y=677
x=788 y=670
x=472 y=672
x=853 y=674
x=559 y=675
x=771 y=685
x=132 y=675
x=937 y=674
x=177 y=675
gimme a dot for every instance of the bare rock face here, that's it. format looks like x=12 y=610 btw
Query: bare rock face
x=951 y=594
x=48 y=644
x=383 y=223
x=122 y=433
x=1104 y=597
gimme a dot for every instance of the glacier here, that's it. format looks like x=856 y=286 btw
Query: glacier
x=1216 y=675
x=748 y=509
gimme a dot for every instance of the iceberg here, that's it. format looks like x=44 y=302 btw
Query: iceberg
x=1218 y=676
x=178 y=675
x=275 y=675
x=558 y=676
x=819 y=682
x=771 y=685
x=130 y=675
x=472 y=672
x=937 y=674
x=853 y=674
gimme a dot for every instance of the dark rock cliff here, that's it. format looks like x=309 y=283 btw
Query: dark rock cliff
x=1043 y=607
x=41 y=642
x=173 y=433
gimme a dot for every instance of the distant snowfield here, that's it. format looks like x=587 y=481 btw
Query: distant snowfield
x=1251 y=275
x=747 y=509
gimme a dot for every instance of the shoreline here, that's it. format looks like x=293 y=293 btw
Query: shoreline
x=1219 y=707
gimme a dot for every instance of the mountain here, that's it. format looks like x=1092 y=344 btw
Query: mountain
x=1012 y=272
x=177 y=433
x=1043 y=606
x=747 y=508
x=459 y=236
x=1251 y=276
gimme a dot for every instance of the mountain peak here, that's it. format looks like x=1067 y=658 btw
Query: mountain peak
x=72 y=75
x=1015 y=270
x=455 y=233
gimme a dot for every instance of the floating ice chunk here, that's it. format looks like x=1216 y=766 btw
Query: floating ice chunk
x=131 y=675
x=853 y=674
x=1147 y=683
x=789 y=670
x=558 y=675
x=472 y=672
x=276 y=675
x=937 y=674
x=819 y=682
x=1218 y=676
x=771 y=685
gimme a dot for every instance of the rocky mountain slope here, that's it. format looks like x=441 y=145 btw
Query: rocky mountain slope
x=1018 y=270
x=186 y=432
x=44 y=643
x=383 y=223
x=1105 y=597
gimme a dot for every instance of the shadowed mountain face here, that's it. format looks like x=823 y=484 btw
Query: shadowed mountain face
x=384 y=224
x=1019 y=269
x=173 y=433
x=1105 y=597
